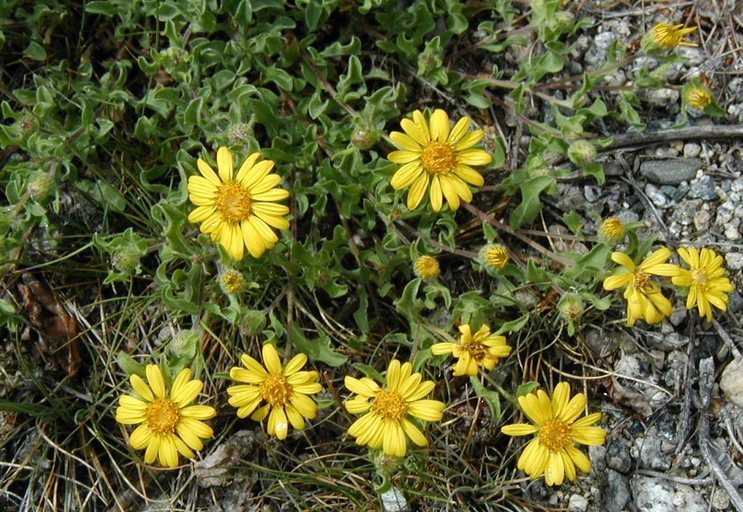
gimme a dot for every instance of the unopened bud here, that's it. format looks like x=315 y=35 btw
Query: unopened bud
x=40 y=186
x=581 y=152
x=364 y=139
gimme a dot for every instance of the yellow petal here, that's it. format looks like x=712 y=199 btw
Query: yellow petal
x=427 y=410
x=403 y=156
x=295 y=364
x=439 y=125
x=253 y=240
x=469 y=175
x=469 y=140
x=405 y=142
x=414 y=433
x=198 y=412
x=518 y=429
x=206 y=171
x=224 y=164
x=474 y=157
x=459 y=130
x=417 y=191
x=435 y=194
x=140 y=437
x=155 y=380
x=246 y=167
x=271 y=358
x=406 y=175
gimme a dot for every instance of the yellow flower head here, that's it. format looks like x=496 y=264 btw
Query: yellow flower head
x=286 y=391
x=238 y=211
x=233 y=282
x=494 y=256
x=427 y=267
x=698 y=96
x=644 y=297
x=483 y=350
x=706 y=278
x=665 y=36
x=612 y=230
x=388 y=416
x=169 y=424
x=556 y=426
x=432 y=153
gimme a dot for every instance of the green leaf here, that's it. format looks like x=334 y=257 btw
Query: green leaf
x=526 y=388
x=35 y=51
x=530 y=204
x=316 y=349
x=514 y=325
x=106 y=8
x=129 y=365
x=492 y=398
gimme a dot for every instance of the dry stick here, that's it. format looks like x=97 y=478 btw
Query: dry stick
x=684 y=428
x=727 y=339
x=706 y=381
x=689 y=133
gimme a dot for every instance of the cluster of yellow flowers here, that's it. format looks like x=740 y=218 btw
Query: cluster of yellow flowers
x=705 y=278
x=169 y=423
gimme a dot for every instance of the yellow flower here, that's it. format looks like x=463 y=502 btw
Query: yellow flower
x=706 y=278
x=552 y=452
x=433 y=154
x=644 y=297
x=612 y=229
x=494 y=256
x=665 y=36
x=481 y=350
x=427 y=267
x=233 y=282
x=285 y=391
x=169 y=425
x=698 y=96
x=386 y=422
x=238 y=211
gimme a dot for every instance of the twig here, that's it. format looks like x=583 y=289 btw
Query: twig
x=688 y=133
x=685 y=423
x=727 y=339
x=706 y=381
x=678 y=479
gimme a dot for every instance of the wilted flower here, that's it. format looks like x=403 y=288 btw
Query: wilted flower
x=427 y=267
x=665 y=36
x=233 y=282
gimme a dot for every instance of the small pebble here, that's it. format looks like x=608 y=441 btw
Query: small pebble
x=692 y=150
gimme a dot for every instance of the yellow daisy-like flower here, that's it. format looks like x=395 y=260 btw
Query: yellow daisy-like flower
x=427 y=267
x=665 y=36
x=481 y=350
x=494 y=256
x=555 y=422
x=644 y=297
x=706 y=278
x=612 y=229
x=386 y=422
x=433 y=154
x=169 y=424
x=698 y=96
x=286 y=391
x=238 y=211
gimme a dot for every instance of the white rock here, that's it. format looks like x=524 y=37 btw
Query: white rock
x=577 y=503
x=731 y=382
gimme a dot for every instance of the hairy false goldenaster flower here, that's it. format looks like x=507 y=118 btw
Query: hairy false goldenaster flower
x=389 y=414
x=665 y=36
x=481 y=350
x=168 y=423
x=238 y=211
x=427 y=267
x=286 y=391
x=698 y=96
x=437 y=158
x=494 y=256
x=706 y=278
x=556 y=426
x=644 y=297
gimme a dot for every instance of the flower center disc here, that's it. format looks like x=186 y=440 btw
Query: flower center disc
x=438 y=158
x=700 y=278
x=233 y=202
x=162 y=416
x=477 y=351
x=276 y=390
x=554 y=434
x=390 y=405
x=497 y=257
x=642 y=281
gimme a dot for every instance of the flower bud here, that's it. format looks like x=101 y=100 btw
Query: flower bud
x=185 y=344
x=698 y=96
x=612 y=230
x=40 y=186
x=364 y=139
x=562 y=21
x=427 y=267
x=570 y=307
x=494 y=256
x=233 y=282
x=126 y=259
x=581 y=152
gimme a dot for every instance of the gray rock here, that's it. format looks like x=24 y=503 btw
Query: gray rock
x=592 y=193
x=618 y=492
x=651 y=455
x=577 y=503
x=618 y=456
x=652 y=494
x=734 y=260
x=655 y=196
x=661 y=97
x=720 y=499
x=688 y=499
x=671 y=171
x=703 y=187
x=596 y=54
x=694 y=56
x=692 y=150
x=394 y=501
x=731 y=230
x=731 y=382
x=702 y=220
